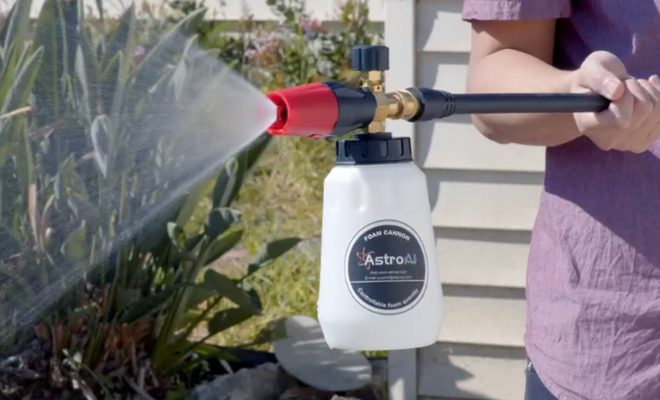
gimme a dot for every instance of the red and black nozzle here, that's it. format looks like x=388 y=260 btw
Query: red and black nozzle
x=319 y=110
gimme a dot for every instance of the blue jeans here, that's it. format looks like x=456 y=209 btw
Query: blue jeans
x=534 y=388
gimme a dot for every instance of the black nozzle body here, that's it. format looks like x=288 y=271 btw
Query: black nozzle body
x=438 y=104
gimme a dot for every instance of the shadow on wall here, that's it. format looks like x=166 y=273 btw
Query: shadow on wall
x=435 y=178
x=442 y=371
x=435 y=17
x=425 y=132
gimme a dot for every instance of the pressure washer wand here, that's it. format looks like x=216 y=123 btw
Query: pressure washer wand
x=438 y=104
x=334 y=108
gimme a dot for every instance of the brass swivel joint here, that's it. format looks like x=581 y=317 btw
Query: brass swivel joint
x=373 y=61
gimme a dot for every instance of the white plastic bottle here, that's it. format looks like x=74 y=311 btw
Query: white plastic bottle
x=380 y=283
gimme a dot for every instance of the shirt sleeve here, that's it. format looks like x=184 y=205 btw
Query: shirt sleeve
x=512 y=10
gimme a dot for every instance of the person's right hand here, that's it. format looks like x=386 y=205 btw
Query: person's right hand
x=632 y=121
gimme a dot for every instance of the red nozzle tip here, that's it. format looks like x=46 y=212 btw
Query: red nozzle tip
x=309 y=111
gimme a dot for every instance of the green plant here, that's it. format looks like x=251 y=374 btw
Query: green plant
x=86 y=101
x=154 y=309
x=85 y=154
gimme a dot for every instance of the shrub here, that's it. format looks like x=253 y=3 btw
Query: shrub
x=86 y=153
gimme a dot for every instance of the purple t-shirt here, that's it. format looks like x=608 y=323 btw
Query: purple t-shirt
x=593 y=283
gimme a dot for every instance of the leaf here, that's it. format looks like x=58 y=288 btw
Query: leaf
x=81 y=84
x=10 y=62
x=87 y=72
x=127 y=296
x=151 y=304
x=23 y=83
x=193 y=241
x=50 y=34
x=274 y=331
x=71 y=189
x=226 y=319
x=204 y=351
x=228 y=181
x=198 y=295
x=166 y=49
x=109 y=81
x=192 y=202
x=177 y=236
x=122 y=38
x=221 y=245
x=101 y=141
x=16 y=25
x=68 y=183
x=24 y=156
x=25 y=166
x=75 y=245
x=227 y=288
x=179 y=79
x=220 y=220
x=233 y=173
x=18 y=281
x=254 y=151
x=273 y=250
x=212 y=351
x=72 y=17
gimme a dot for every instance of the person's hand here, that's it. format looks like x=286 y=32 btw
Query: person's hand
x=632 y=121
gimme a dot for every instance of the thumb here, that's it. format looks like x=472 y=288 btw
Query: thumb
x=604 y=73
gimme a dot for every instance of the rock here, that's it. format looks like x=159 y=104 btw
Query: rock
x=264 y=382
x=305 y=355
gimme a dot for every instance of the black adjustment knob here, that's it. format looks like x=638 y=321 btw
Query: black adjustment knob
x=370 y=58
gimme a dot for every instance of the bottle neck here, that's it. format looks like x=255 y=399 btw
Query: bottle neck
x=369 y=149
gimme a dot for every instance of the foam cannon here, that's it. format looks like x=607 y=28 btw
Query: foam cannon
x=333 y=108
x=380 y=278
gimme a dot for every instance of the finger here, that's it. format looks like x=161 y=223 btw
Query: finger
x=655 y=81
x=652 y=89
x=623 y=107
x=649 y=131
x=643 y=103
x=603 y=83
x=608 y=61
x=598 y=78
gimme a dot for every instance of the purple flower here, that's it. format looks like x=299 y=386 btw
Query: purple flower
x=139 y=51
x=250 y=53
x=268 y=43
x=309 y=24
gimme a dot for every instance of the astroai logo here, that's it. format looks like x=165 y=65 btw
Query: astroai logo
x=368 y=259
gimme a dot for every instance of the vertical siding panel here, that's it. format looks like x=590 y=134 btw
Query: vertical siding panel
x=399 y=36
x=485 y=199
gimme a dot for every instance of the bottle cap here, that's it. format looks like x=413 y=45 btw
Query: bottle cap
x=379 y=148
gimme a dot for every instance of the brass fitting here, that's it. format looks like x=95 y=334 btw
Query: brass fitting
x=398 y=104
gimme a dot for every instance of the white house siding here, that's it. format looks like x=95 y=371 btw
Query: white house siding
x=222 y=9
x=485 y=198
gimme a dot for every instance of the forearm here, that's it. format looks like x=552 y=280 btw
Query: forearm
x=511 y=71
